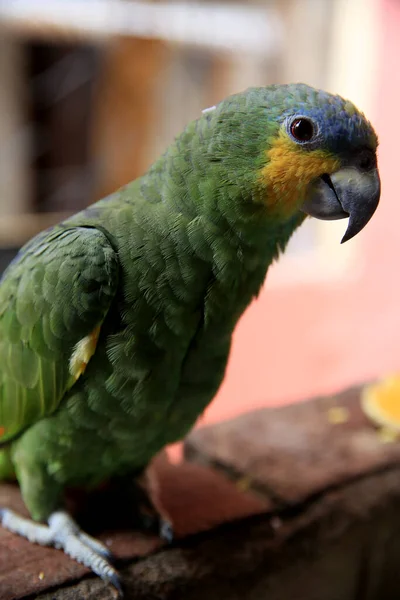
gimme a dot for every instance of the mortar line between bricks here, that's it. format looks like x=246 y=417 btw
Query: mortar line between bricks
x=294 y=508
x=362 y=578
x=279 y=501
x=290 y=511
x=261 y=489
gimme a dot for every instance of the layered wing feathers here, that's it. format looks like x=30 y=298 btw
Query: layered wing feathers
x=54 y=294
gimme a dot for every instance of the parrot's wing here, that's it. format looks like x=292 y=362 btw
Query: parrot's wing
x=53 y=299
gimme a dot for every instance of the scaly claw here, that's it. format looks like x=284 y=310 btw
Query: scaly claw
x=63 y=533
x=166 y=531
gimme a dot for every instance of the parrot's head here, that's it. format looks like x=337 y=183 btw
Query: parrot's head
x=311 y=152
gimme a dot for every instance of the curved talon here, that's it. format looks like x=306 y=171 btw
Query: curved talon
x=81 y=546
x=116 y=582
x=95 y=545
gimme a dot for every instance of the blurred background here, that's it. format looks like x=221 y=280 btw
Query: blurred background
x=91 y=91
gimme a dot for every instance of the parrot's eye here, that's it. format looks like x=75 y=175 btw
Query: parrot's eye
x=302 y=129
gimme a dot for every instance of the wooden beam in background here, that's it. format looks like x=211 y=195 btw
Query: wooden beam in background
x=125 y=111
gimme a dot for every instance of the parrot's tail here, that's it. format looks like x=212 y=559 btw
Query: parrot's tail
x=6 y=465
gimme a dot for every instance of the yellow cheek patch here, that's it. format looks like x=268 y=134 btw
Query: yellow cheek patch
x=290 y=169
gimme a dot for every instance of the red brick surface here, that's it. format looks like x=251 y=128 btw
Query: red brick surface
x=272 y=446
x=196 y=499
x=321 y=519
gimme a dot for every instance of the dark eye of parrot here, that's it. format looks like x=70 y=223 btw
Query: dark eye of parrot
x=302 y=129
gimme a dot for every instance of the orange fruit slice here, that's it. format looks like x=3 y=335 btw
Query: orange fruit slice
x=381 y=402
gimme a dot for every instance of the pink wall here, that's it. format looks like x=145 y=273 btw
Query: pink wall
x=312 y=339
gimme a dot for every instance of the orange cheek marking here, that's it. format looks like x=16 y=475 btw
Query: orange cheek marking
x=2 y=431
x=289 y=170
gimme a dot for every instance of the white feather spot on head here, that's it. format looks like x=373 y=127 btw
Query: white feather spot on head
x=206 y=110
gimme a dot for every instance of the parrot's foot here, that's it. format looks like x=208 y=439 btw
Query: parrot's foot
x=166 y=530
x=63 y=533
x=150 y=515
x=155 y=524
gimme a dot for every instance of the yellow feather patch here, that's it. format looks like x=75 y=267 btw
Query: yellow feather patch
x=290 y=169
x=82 y=353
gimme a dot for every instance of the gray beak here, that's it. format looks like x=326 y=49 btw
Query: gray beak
x=350 y=192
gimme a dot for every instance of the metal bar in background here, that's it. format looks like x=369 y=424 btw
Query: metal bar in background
x=229 y=27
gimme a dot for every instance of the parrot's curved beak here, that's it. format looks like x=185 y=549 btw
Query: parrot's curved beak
x=350 y=192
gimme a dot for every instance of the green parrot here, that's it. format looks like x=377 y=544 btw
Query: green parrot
x=116 y=324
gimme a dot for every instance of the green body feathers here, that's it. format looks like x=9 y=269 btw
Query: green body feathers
x=161 y=271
